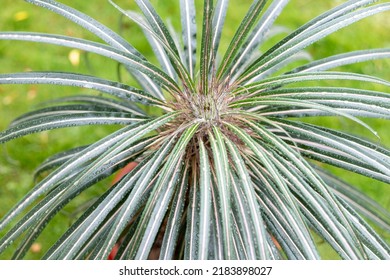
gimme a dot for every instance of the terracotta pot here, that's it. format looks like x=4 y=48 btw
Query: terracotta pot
x=124 y=171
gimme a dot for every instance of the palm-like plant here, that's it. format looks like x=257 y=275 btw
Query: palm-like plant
x=226 y=169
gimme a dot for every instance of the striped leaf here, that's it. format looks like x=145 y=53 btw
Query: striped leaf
x=158 y=202
x=257 y=35
x=224 y=195
x=224 y=162
x=174 y=224
x=308 y=37
x=343 y=59
x=191 y=250
x=206 y=47
x=89 y=24
x=122 y=105
x=156 y=28
x=188 y=23
x=256 y=224
x=127 y=59
x=218 y=23
x=239 y=37
x=205 y=205
x=263 y=86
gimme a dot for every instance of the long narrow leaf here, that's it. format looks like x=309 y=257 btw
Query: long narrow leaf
x=135 y=198
x=57 y=160
x=343 y=59
x=46 y=209
x=216 y=251
x=127 y=59
x=304 y=104
x=341 y=146
x=223 y=178
x=319 y=20
x=172 y=232
x=205 y=199
x=101 y=31
x=160 y=33
x=188 y=22
x=313 y=178
x=88 y=23
x=254 y=210
x=358 y=200
x=78 y=80
x=66 y=120
x=67 y=110
x=256 y=37
x=160 y=198
x=191 y=250
x=74 y=163
x=306 y=38
x=206 y=47
x=122 y=105
x=218 y=23
x=283 y=80
x=238 y=39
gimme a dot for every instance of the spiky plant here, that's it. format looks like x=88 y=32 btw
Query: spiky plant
x=227 y=167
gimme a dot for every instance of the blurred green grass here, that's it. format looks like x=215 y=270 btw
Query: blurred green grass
x=19 y=158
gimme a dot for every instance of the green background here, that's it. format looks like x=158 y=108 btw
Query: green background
x=19 y=158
